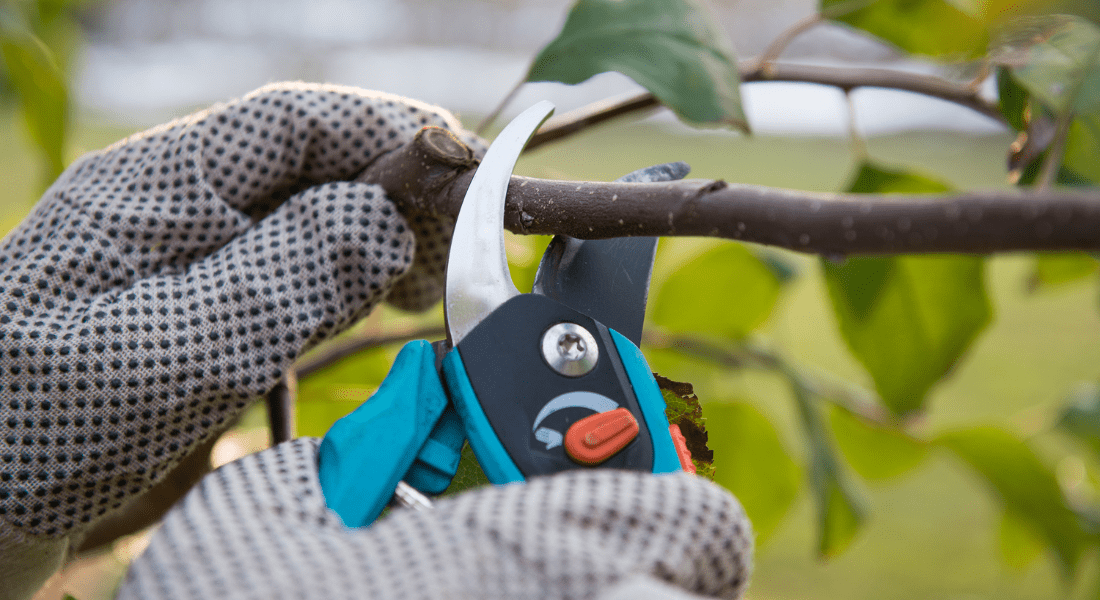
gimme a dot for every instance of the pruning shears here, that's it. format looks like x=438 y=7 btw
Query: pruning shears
x=537 y=383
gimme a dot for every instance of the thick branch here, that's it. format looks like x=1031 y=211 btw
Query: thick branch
x=846 y=79
x=824 y=223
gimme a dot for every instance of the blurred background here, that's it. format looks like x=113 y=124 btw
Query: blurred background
x=934 y=532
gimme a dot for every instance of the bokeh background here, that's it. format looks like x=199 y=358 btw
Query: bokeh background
x=935 y=532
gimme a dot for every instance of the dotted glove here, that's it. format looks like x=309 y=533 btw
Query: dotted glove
x=259 y=528
x=165 y=281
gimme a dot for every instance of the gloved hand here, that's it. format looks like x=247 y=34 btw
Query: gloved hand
x=163 y=283
x=259 y=528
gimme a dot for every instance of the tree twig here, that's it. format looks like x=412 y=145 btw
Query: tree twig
x=750 y=355
x=487 y=121
x=784 y=39
x=846 y=79
x=345 y=347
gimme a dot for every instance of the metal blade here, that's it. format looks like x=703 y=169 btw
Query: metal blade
x=478 y=280
x=607 y=280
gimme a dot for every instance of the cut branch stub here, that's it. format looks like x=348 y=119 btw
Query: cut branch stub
x=416 y=173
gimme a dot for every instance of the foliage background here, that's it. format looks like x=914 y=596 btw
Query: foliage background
x=988 y=490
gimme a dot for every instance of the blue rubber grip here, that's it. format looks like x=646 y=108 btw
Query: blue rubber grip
x=495 y=461
x=665 y=458
x=366 y=453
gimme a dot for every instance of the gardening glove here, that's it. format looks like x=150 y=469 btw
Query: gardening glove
x=165 y=282
x=258 y=528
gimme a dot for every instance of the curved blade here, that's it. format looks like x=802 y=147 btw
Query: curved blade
x=478 y=280
x=607 y=280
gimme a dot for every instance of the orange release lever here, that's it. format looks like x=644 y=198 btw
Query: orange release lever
x=598 y=437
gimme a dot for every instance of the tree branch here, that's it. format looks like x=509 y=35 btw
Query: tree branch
x=824 y=223
x=846 y=79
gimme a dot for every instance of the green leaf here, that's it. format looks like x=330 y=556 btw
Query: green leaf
x=1057 y=268
x=841 y=509
x=1019 y=543
x=908 y=320
x=1057 y=59
x=875 y=452
x=752 y=463
x=871 y=178
x=931 y=27
x=1082 y=155
x=1081 y=418
x=673 y=48
x=682 y=409
x=726 y=292
x=36 y=77
x=1026 y=487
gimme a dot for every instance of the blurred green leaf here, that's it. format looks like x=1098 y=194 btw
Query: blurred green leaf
x=875 y=452
x=726 y=292
x=872 y=178
x=907 y=319
x=1081 y=418
x=930 y=27
x=44 y=96
x=1026 y=486
x=752 y=463
x=1018 y=542
x=673 y=48
x=1082 y=156
x=1056 y=58
x=1057 y=268
x=327 y=395
x=841 y=509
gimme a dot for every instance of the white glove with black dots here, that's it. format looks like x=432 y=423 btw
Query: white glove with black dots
x=165 y=282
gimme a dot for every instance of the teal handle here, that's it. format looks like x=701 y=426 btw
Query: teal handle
x=365 y=454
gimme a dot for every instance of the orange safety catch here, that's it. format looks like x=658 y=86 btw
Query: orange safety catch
x=598 y=437
x=682 y=451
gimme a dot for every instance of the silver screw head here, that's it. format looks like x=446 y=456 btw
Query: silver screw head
x=570 y=349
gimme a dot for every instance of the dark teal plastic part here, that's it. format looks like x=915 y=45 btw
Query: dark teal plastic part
x=366 y=453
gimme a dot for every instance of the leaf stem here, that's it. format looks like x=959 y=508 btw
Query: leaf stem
x=784 y=39
x=1055 y=153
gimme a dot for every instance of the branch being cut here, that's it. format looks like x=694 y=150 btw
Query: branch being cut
x=846 y=79
x=823 y=223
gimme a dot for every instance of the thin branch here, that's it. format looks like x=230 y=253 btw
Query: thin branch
x=487 y=121
x=853 y=399
x=784 y=39
x=1056 y=151
x=846 y=79
x=340 y=349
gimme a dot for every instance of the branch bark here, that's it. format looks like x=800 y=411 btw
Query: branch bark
x=824 y=223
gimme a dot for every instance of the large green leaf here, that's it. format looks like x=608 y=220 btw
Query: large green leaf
x=874 y=451
x=1019 y=543
x=1025 y=485
x=40 y=84
x=727 y=292
x=930 y=27
x=908 y=320
x=673 y=48
x=752 y=463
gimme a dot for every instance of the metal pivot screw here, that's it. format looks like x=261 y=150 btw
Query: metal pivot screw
x=570 y=349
